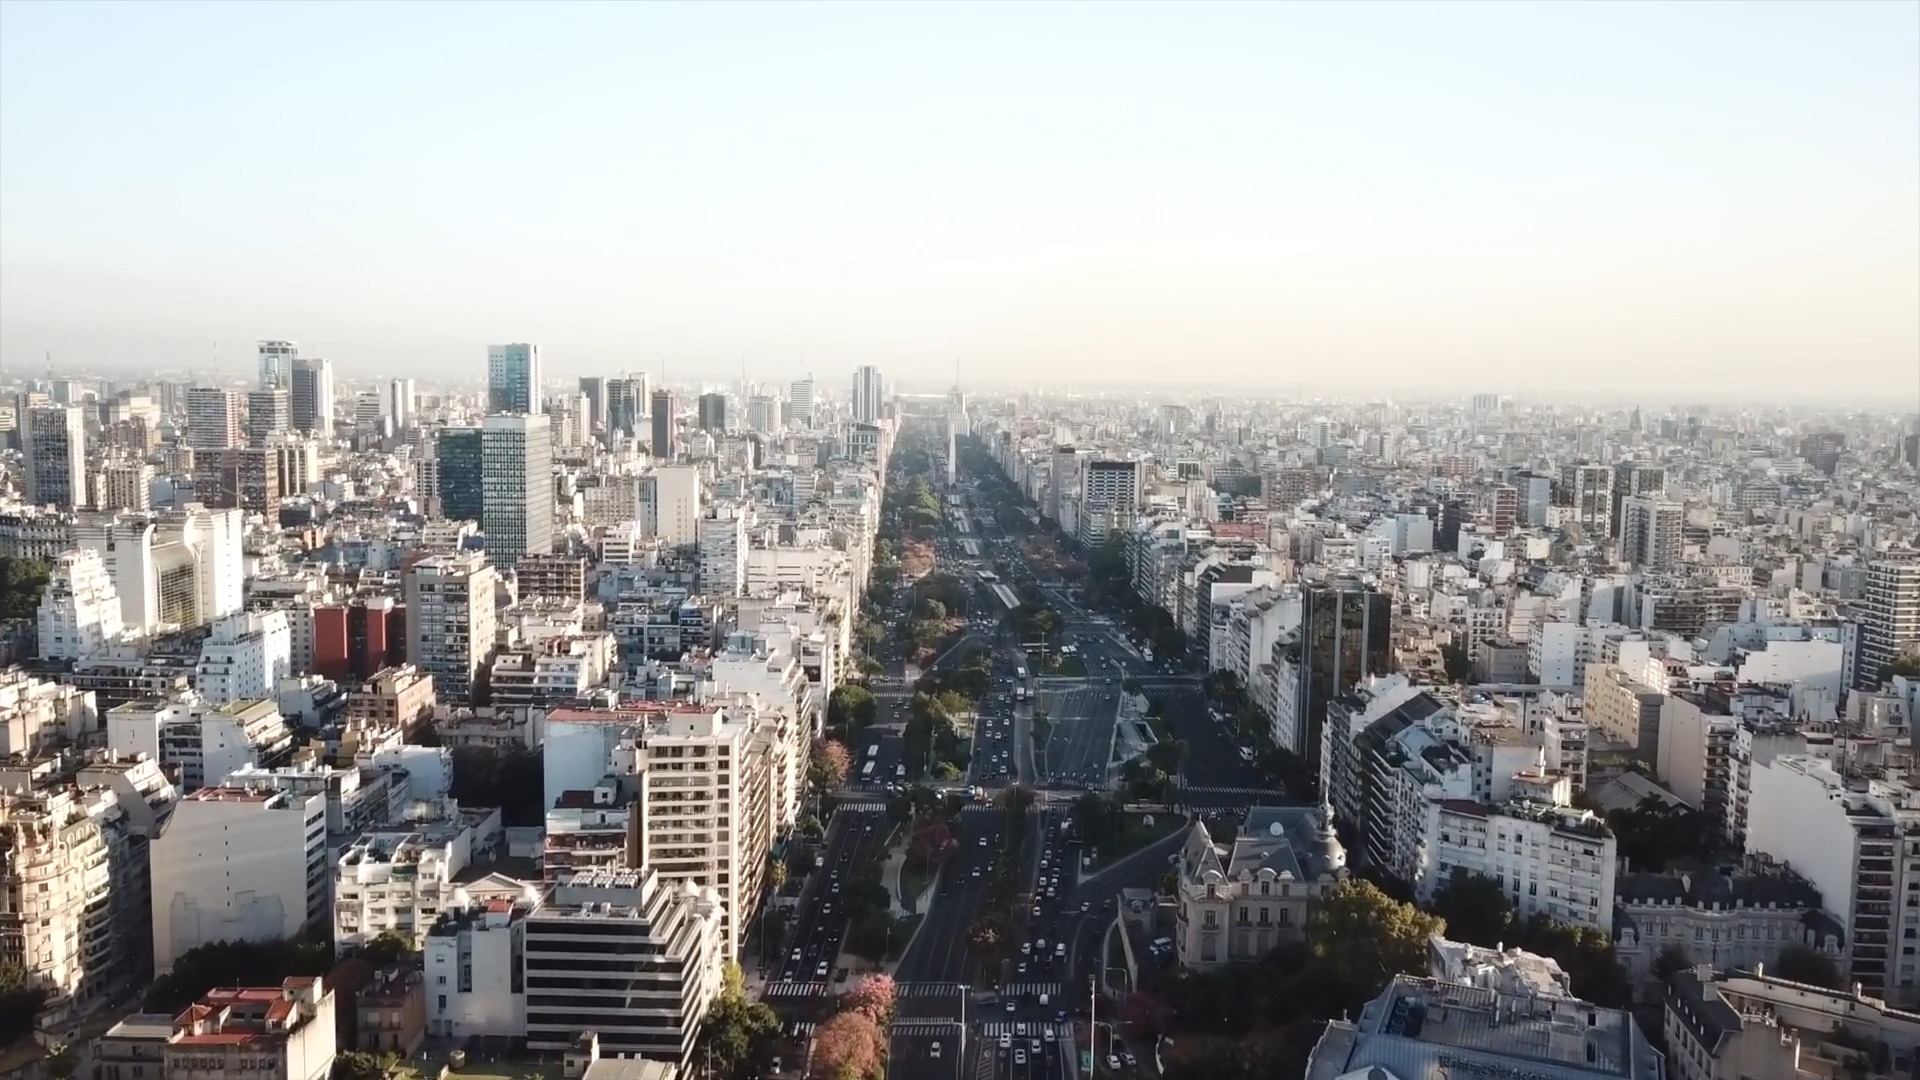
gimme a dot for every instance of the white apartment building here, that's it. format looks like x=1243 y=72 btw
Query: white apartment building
x=56 y=884
x=676 y=504
x=79 y=612
x=38 y=715
x=172 y=568
x=1856 y=844
x=1550 y=860
x=245 y=658
x=1890 y=625
x=238 y=864
x=1751 y=1025
x=657 y=951
x=213 y=418
x=396 y=880
x=197 y=743
x=451 y=620
x=473 y=953
x=123 y=485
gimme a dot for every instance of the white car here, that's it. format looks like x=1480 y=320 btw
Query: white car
x=933 y=1052
x=1019 y=1057
x=1006 y=1042
x=1113 y=1060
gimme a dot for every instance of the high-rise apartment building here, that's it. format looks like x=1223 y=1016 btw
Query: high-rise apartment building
x=763 y=414
x=79 y=613
x=55 y=441
x=170 y=568
x=1890 y=619
x=513 y=378
x=626 y=403
x=1588 y=491
x=869 y=394
x=1650 y=531
x=58 y=886
x=311 y=396
x=594 y=389
x=245 y=658
x=213 y=418
x=243 y=478
x=516 y=486
x=712 y=412
x=269 y=413
x=1632 y=478
x=276 y=364
x=666 y=425
x=450 y=620
x=1503 y=508
x=676 y=504
x=239 y=864
x=400 y=403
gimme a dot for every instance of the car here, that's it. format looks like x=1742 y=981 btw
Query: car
x=796 y=954
x=933 y=1051
x=821 y=969
x=1026 y=948
x=1019 y=1057
x=1020 y=1030
x=1129 y=1059
x=1012 y=1005
x=975 y=873
x=1113 y=1062
x=775 y=1065
x=1006 y=1042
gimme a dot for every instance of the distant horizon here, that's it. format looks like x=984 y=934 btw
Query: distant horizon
x=1545 y=199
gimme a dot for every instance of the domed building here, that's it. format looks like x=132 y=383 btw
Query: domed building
x=1238 y=904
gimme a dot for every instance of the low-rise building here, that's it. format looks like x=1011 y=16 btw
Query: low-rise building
x=1237 y=905
x=1729 y=921
x=1732 y=1025
x=396 y=881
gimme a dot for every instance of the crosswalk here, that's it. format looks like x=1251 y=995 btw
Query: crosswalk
x=929 y=989
x=795 y=989
x=1034 y=988
x=995 y=1029
x=924 y=1027
x=863 y=807
x=1209 y=789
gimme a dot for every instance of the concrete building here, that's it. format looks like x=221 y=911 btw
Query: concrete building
x=286 y=1033
x=450 y=620
x=245 y=658
x=1650 y=531
x=397 y=880
x=56 y=883
x=276 y=364
x=1890 y=621
x=174 y=568
x=1552 y=860
x=551 y=577
x=54 y=442
x=869 y=394
x=1237 y=905
x=1739 y=920
x=199 y=744
x=1624 y=710
x=513 y=378
x=1587 y=493
x=269 y=415
x=800 y=401
x=676 y=498
x=238 y=864
x=660 y=950
x=516 y=486
x=721 y=535
x=80 y=612
x=1750 y=1025
x=473 y=959
x=311 y=396
x=627 y=402
x=1424 y=1027
x=123 y=485
x=213 y=418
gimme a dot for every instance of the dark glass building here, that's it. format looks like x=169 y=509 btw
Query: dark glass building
x=460 y=497
x=1346 y=637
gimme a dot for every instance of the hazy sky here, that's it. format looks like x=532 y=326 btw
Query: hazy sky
x=1514 y=197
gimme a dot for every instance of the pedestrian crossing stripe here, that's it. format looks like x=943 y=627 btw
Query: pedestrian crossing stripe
x=1034 y=1031
x=802 y=1029
x=863 y=807
x=913 y=989
x=1208 y=789
x=1030 y=988
x=924 y=1027
x=794 y=989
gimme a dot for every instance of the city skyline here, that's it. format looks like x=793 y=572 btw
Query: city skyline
x=1544 y=200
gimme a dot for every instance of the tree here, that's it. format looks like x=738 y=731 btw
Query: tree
x=1673 y=960
x=932 y=610
x=512 y=780
x=1130 y=684
x=935 y=841
x=359 y=1065
x=388 y=947
x=828 y=765
x=851 y=708
x=1096 y=818
x=20 y=1002
x=849 y=1045
x=235 y=963
x=872 y=997
x=1459 y=666
x=21 y=583
x=1798 y=963
x=737 y=1028
x=1360 y=930
x=1146 y=1014
x=1475 y=910
x=985 y=937
x=776 y=873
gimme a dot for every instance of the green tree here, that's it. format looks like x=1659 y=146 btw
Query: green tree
x=513 y=780
x=737 y=1029
x=1360 y=930
x=20 y=1002
x=386 y=948
x=851 y=708
x=235 y=963
x=1799 y=963
x=1673 y=960
x=1475 y=910
x=828 y=765
x=1459 y=666
x=21 y=583
x=932 y=610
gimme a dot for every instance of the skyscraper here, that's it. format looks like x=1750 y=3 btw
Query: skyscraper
x=1346 y=637
x=1588 y=490
x=450 y=620
x=513 y=378
x=869 y=390
x=213 y=418
x=269 y=413
x=312 y=396
x=666 y=442
x=276 y=364
x=55 y=440
x=594 y=389
x=460 y=471
x=1650 y=531
x=712 y=411
x=400 y=403
x=1890 y=623
x=800 y=401
x=516 y=486
x=626 y=403
x=1635 y=478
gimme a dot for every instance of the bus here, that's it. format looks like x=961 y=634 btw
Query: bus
x=867 y=773
x=1020 y=672
x=873 y=751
